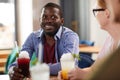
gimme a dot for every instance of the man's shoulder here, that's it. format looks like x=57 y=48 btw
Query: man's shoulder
x=37 y=33
x=68 y=31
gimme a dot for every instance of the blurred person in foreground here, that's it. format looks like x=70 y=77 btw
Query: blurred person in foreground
x=108 y=18
x=54 y=38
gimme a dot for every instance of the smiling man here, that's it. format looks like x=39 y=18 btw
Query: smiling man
x=54 y=38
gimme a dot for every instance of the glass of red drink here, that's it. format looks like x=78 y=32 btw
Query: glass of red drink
x=23 y=64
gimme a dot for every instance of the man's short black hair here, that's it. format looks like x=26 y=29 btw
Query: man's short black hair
x=50 y=4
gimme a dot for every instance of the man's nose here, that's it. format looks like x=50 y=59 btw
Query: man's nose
x=49 y=20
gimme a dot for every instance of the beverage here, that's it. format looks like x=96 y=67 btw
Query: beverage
x=67 y=64
x=23 y=63
x=40 y=72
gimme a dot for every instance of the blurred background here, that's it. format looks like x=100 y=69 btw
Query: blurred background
x=18 y=18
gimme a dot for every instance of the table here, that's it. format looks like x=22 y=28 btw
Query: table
x=53 y=78
x=90 y=49
x=3 y=58
x=4 y=53
x=6 y=77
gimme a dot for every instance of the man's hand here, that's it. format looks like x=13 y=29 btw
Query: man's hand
x=15 y=74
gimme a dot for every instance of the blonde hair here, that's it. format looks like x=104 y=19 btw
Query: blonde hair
x=101 y=3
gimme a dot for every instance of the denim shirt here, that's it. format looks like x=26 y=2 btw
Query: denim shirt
x=67 y=41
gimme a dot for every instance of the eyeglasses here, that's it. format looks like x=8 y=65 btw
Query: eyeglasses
x=96 y=10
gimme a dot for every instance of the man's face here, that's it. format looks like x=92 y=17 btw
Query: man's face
x=51 y=20
x=114 y=7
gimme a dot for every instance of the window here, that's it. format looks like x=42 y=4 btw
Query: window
x=7 y=24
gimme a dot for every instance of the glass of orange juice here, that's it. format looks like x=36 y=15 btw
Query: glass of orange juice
x=67 y=64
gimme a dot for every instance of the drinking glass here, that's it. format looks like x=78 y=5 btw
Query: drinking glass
x=67 y=65
x=40 y=72
x=23 y=64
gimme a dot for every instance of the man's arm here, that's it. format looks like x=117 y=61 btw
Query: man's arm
x=54 y=68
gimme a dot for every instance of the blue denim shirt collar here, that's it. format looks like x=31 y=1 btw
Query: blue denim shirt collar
x=57 y=36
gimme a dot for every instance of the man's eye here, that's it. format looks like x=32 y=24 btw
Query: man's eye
x=53 y=17
x=43 y=17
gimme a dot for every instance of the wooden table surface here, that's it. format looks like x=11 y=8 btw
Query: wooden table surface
x=3 y=58
x=90 y=49
x=53 y=78
x=6 y=77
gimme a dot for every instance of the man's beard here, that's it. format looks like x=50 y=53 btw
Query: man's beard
x=51 y=33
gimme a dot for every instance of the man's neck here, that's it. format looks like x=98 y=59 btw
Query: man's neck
x=50 y=39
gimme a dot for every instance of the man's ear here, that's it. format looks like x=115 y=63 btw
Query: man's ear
x=62 y=21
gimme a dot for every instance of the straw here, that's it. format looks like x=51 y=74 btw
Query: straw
x=74 y=46
x=40 y=52
x=74 y=54
x=17 y=50
x=16 y=47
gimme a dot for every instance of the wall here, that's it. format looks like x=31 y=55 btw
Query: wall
x=84 y=19
x=96 y=34
x=24 y=19
x=89 y=28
